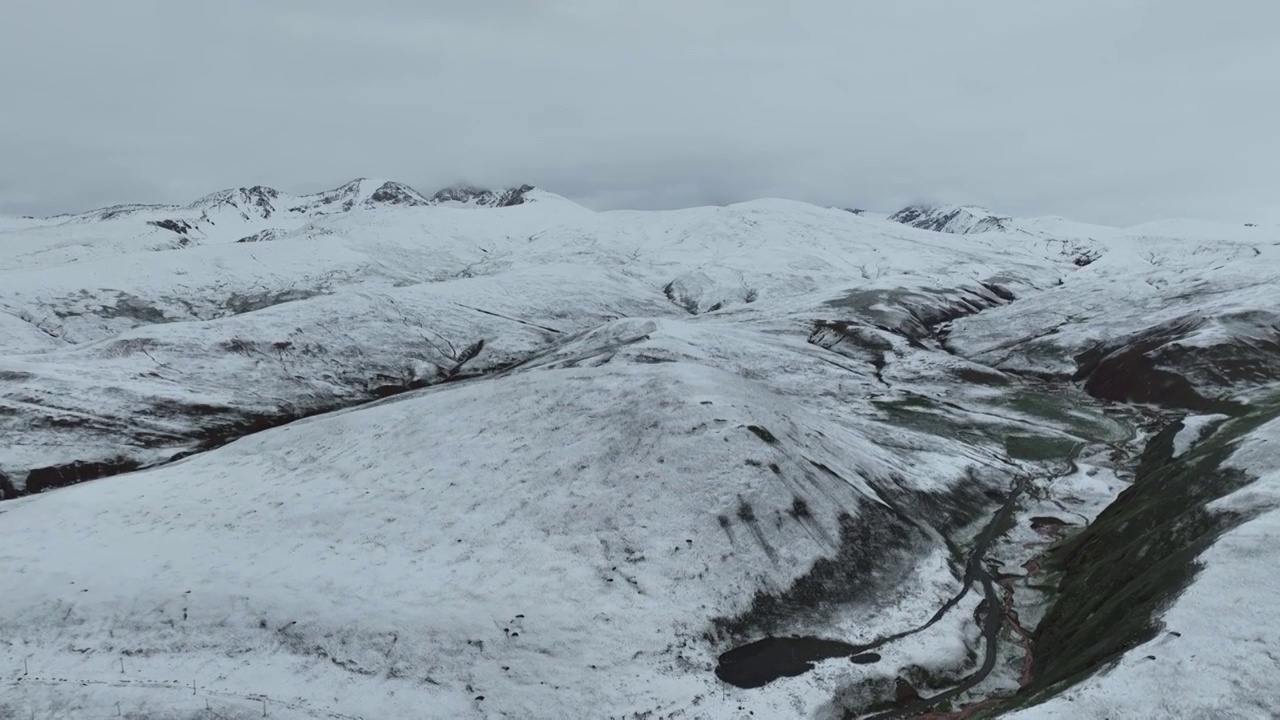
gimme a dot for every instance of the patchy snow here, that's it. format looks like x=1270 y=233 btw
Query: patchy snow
x=1194 y=427
x=531 y=539
x=325 y=314
x=1212 y=295
x=22 y=335
x=223 y=217
x=615 y=437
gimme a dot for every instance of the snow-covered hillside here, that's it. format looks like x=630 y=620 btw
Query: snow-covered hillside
x=373 y=453
x=236 y=215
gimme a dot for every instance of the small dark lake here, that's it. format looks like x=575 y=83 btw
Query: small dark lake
x=763 y=661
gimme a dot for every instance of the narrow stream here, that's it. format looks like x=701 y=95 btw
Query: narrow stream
x=758 y=663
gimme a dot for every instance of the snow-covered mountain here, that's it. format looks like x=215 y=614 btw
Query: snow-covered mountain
x=957 y=219
x=262 y=202
x=245 y=214
x=369 y=453
x=469 y=196
x=971 y=219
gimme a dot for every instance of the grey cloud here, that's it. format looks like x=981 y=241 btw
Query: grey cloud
x=1100 y=111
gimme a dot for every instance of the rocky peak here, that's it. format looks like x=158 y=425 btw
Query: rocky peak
x=956 y=219
x=256 y=200
x=260 y=197
x=361 y=192
x=260 y=192
x=459 y=193
x=341 y=198
x=394 y=193
x=482 y=197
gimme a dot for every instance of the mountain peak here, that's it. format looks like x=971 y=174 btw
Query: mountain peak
x=471 y=195
x=361 y=192
x=258 y=200
x=460 y=193
x=394 y=193
x=956 y=219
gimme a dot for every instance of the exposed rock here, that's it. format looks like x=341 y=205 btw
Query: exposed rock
x=54 y=476
x=957 y=219
x=263 y=236
x=393 y=193
x=1171 y=366
x=182 y=227
x=471 y=195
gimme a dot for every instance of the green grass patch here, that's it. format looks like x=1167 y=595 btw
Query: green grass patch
x=1061 y=412
x=1038 y=448
x=1122 y=571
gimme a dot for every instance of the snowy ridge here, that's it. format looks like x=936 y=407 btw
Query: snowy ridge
x=226 y=216
x=972 y=219
x=956 y=219
x=469 y=196
x=494 y=454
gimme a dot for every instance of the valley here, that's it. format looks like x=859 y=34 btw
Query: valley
x=372 y=453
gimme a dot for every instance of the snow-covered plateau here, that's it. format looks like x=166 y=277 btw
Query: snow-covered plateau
x=370 y=453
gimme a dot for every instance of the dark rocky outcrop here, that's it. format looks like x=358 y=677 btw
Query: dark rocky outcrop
x=919 y=314
x=257 y=200
x=460 y=193
x=55 y=476
x=264 y=236
x=483 y=197
x=1157 y=367
x=7 y=490
x=356 y=194
x=960 y=220
x=393 y=193
x=182 y=227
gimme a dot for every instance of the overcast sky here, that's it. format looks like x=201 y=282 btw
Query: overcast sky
x=1113 y=111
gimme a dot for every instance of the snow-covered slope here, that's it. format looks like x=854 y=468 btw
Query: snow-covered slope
x=227 y=216
x=1193 y=313
x=972 y=219
x=333 y=312
x=576 y=464
x=553 y=541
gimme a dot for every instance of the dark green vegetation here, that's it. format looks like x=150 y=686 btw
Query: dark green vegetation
x=1113 y=580
x=1133 y=560
x=1121 y=572
x=1037 y=448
